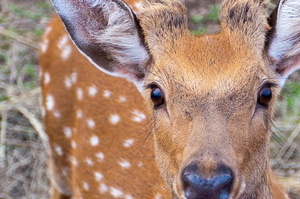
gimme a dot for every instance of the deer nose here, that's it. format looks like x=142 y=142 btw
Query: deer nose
x=216 y=187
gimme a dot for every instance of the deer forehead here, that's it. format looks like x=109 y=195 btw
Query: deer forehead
x=210 y=67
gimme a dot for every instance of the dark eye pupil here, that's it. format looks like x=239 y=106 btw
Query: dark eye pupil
x=157 y=96
x=265 y=96
x=266 y=93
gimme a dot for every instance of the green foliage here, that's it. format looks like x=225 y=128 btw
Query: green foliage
x=201 y=21
x=3 y=59
x=291 y=95
x=38 y=32
x=25 y=18
x=3 y=97
x=2 y=20
x=19 y=10
x=30 y=76
x=213 y=14
x=199 y=31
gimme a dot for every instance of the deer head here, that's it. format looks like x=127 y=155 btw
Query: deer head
x=212 y=97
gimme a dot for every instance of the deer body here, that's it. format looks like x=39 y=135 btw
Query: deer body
x=208 y=100
x=112 y=154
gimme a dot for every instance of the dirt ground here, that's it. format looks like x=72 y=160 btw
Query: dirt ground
x=23 y=142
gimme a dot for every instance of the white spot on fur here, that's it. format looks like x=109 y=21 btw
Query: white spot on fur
x=47 y=31
x=47 y=78
x=56 y=114
x=158 y=196
x=94 y=140
x=128 y=142
x=128 y=196
x=66 y=51
x=49 y=102
x=116 y=193
x=89 y=162
x=85 y=186
x=140 y=164
x=45 y=42
x=67 y=132
x=124 y=164
x=138 y=116
x=98 y=176
x=93 y=91
x=74 y=144
x=79 y=93
x=103 y=188
x=62 y=42
x=138 y=5
x=73 y=161
x=114 y=119
x=100 y=156
x=122 y=99
x=68 y=82
x=107 y=93
x=44 y=45
x=74 y=77
x=79 y=113
x=58 y=150
x=91 y=123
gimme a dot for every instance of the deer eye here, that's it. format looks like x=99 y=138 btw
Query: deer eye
x=265 y=96
x=157 y=96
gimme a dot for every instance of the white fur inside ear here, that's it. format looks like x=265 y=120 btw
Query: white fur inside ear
x=126 y=45
x=287 y=34
x=107 y=33
x=284 y=48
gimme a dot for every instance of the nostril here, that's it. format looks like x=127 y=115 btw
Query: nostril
x=221 y=182
x=216 y=183
x=216 y=187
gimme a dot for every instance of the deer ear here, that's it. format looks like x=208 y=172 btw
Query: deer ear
x=283 y=42
x=108 y=34
x=246 y=21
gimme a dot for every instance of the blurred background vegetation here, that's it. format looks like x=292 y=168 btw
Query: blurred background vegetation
x=23 y=157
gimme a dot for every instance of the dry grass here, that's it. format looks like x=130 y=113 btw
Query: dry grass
x=23 y=153
x=23 y=142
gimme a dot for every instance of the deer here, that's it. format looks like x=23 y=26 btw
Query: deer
x=135 y=106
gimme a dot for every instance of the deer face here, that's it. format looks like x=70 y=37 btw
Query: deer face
x=211 y=97
x=211 y=114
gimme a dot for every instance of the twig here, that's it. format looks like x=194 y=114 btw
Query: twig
x=12 y=102
x=290 y=183
x=35 y=123
x=4 y=6
x=288 y=144
x=19 y=38
x=16 y=103
x=20 y=22
x=3 y=134
x=12 y=62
